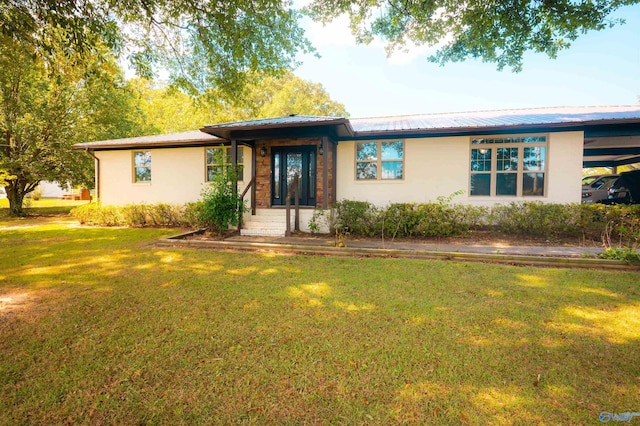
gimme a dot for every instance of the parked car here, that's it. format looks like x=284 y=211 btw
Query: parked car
x=626 y=189
x=597 y=189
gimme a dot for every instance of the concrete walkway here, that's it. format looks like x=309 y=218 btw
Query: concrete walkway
x=554 y=256
x=504 y=249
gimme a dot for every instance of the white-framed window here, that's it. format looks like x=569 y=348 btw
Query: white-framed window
x=508 y=166
x=142 y=166
x=219 y=158
x=380 y=160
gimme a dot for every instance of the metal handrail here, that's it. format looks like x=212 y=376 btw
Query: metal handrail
x=293 y=191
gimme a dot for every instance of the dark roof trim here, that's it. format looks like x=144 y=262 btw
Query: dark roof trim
x=610 y=128
x=277 y=128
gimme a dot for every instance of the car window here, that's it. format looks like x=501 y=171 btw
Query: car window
x=587 y=180
x=605 y=180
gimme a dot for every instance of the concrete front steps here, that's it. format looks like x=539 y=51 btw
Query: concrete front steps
x=266 y=223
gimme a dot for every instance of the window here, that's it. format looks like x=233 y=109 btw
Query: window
x=380 y=160
x=219 y=158
x=508 y=166
x=142 y=166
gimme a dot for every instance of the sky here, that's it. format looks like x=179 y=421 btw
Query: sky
x=600 y=68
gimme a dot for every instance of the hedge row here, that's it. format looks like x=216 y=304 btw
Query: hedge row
x=138 y=215
x=613 y=224
x=620 y=223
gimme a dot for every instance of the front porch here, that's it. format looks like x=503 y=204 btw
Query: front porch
x=282 y=149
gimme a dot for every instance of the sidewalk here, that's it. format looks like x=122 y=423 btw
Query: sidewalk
x=504 y=249
x=553 y=256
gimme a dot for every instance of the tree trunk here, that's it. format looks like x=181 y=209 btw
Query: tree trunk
x=16 y=199
x=16 y=190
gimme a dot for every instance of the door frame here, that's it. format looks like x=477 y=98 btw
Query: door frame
x=308 y=196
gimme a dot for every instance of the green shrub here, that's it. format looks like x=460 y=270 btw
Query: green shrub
x=321 y=219
x=134 y=214
x=356 y=218
x=625 y=254
x=439 y=219
x=622 y=226
x=536 y=219
x=96 y=214
x=164 y=214
x=221 y=206
x=191 y=214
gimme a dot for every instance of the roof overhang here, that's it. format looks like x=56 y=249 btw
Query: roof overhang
x=284 y=127
x=172 y=140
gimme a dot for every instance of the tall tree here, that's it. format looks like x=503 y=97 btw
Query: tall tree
x=48 y=105
x=493 y=30
x=171 y=110
x=205 y=43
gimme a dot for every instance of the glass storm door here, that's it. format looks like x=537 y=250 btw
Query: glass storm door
x=286 y=162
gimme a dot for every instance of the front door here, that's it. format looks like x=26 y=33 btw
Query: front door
x=286 y=162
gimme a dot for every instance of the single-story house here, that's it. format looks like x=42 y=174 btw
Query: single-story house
x=492 y=156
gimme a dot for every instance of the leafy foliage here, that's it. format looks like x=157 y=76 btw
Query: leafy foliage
x=135 y=215
x=221 y=205
x=615 y=225
x=625 y=254
x=203 y=43
x=47 y=106
x=171 y=110
x=494 y=31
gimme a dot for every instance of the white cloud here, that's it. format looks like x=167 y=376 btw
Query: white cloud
x=335 y=34
x=409 y=53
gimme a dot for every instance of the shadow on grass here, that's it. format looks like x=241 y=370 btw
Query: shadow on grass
x=126 y=333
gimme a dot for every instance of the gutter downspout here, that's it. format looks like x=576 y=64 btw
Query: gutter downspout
x=97 y=179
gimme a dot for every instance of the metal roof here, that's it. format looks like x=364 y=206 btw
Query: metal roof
x=469 y=121
x=274 y=126
x=616 y=142
x=191 y=138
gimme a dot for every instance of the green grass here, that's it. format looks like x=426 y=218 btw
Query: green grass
x=41 y=207
x=98 y=326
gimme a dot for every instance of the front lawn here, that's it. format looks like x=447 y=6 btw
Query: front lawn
x=98 y=326
x=41 y=207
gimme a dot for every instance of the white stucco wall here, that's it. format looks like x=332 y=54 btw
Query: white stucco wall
x=177 y=176
x=440 y=166
x=433 y=167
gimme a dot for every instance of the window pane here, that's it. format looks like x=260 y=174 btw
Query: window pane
x=229 y=152
x=312 y=175
x=392 y=170
x=276 y=175
x=480 y=160
x=366 y=170
x=143 y=174
x=507 y=159
x=533 y=184
x=214 y=156
x=480 y=184
x=506 y=183
x=392 y=150
x=142 y=159
x=367 y=151
x=534 y=158
x=535 y=139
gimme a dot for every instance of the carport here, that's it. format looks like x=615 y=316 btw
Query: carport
x=611 y=145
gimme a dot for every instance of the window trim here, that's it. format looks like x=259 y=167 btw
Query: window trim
x=134 y=173
x=379 y=161
x=224 y=161
x=520 y=172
